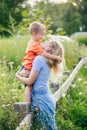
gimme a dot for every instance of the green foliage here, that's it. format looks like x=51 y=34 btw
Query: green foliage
x=60 y=31
x=12 y=30
x=36 y=14
x=10 y=7
x=71 y=113
x=71 y=22
x=11 y=91
x=13 y=49
x=7 y=118
x=70 y=16
x=81 y=38
x=83 y=13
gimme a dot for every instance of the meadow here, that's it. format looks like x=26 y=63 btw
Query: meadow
x=71 y=111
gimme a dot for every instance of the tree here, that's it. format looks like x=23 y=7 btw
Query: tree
x=10 y=7
x=83 y=13
x=70 y=18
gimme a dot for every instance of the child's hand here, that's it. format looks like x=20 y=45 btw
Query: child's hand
x=24 y=73
x=59 y=59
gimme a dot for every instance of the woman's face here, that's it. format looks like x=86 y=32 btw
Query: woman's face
x=46 y=46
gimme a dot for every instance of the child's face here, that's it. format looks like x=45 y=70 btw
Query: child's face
x=39 y=36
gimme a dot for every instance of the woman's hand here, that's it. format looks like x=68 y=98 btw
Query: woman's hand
x=17 y=74
x=24 y=73
x=29 y=80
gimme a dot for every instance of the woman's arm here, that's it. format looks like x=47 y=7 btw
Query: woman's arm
x=33 y=75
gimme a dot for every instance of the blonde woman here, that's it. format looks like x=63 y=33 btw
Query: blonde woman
x=42 y=101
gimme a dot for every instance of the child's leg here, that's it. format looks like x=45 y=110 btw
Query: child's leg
x=25 y=73
x=28 y=93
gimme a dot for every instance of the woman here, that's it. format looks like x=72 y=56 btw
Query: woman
x=42 y=100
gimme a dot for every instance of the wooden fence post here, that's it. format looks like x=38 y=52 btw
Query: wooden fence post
x=24 y=114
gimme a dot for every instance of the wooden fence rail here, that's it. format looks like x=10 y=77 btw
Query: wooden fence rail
x=67 y=83
x=57 y=95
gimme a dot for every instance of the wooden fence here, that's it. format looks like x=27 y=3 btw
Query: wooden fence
x=24 y=106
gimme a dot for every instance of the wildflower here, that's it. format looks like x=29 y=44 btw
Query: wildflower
x=85 y=67
x=74 y=85
x=80 y=93
x=5 y=105
x=84 y=83
x=3 y=74
x=14 y=97
x=79 y=79
x=13 y=90
x=63 y=95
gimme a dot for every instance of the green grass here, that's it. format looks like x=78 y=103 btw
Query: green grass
x=13 y=49
x=11 y=91
x=68 y=109
x=81 y=38
x=71 y=111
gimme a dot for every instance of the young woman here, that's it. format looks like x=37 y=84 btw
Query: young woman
x=42 y=100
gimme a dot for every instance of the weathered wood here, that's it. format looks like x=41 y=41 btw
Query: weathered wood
x=80 y=58
x=22 y=108
x=54 y=86
x=25 y=123
x=66 y=85
x=66 y=73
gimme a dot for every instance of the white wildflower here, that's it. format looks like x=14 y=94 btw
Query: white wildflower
x=3 y=74
x=74 y=85
x=84 y=83
x=80 y=93
x=79 y=79
x=63 y=95
x=14 y=97
x=85 y=67
x=13 y=90
x=5 y=105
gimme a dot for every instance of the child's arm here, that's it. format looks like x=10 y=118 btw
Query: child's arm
x=53 y=57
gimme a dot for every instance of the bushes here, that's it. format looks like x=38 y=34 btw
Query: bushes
x=80 y=37
x=13 y=49
x=10 y=92
x=71 y=113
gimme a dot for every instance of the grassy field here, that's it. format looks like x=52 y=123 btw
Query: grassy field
x=71 y=111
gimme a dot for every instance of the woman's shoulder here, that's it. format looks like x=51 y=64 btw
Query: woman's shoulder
x=39 y=59
x=39 y=62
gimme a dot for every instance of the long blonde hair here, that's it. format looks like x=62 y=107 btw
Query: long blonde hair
x=57 y=69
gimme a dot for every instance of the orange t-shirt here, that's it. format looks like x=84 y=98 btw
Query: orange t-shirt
x=33 y=49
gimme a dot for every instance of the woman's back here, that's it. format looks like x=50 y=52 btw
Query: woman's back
x=43 y=69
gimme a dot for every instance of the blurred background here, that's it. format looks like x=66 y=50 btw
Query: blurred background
x=66 y=22
x=63 y=17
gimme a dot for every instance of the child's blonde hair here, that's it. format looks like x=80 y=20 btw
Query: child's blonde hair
x=36 y=27
x=57 y=69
